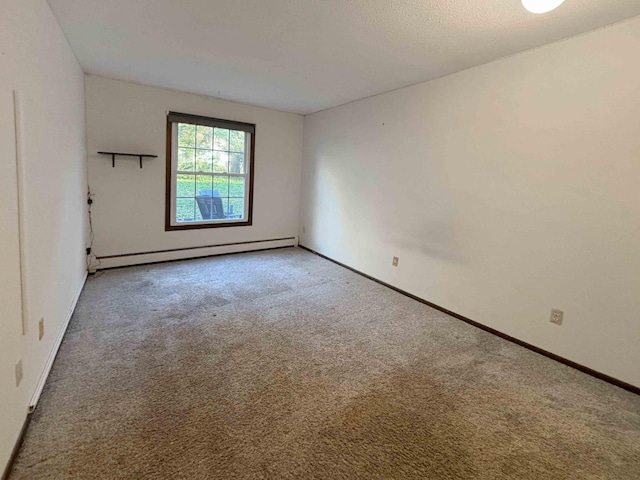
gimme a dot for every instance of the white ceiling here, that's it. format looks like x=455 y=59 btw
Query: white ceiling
x=308 y=55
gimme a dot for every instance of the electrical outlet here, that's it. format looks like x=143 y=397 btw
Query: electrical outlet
x=18 y=372
x=41 y=329
x=395 y=261
x=556 y=316
x=304 y=229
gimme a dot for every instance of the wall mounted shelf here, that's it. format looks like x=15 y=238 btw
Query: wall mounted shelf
x=117 y=154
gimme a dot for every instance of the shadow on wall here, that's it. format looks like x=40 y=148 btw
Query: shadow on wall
x=433 y=238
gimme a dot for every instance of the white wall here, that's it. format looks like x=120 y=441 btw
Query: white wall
x=37 y=61
x=129 y=206
x=506 y=190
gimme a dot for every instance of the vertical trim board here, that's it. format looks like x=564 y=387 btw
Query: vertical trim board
x=21 y=189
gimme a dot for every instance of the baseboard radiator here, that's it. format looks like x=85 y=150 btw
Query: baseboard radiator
x=158 y=256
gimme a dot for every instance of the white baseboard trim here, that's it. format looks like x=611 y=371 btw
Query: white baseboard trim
x=131 y=259
x=54 y=351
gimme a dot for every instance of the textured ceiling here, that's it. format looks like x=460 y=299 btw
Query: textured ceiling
x=307 y=55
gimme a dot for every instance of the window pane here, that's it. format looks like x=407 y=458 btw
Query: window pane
x=236 y=163
x=221 y=139
x=236 y=207
x=185 y=209
x=185 y=185
x=204 y=161
x=221 y=162
x=186 y=135
x=204 y=137
x=236 y=141
x=225 y=206
x=236 y=187
x=186 y=159
x=204 y=185
x=221 y=186
x=198 y=213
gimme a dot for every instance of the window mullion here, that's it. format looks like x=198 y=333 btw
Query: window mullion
x=214 y=174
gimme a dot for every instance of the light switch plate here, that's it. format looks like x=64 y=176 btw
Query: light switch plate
x=18 y=372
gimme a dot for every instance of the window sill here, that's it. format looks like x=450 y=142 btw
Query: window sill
x=197 y=226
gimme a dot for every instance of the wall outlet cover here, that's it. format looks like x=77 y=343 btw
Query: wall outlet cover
x=41 y=329
x=556 y=316
x=395 y=261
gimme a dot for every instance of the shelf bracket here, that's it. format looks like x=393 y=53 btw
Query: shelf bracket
x=139 y=155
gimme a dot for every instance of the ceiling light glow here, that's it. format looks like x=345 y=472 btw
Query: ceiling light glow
x=541 y=6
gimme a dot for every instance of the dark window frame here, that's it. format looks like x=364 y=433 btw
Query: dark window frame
x=206 y=121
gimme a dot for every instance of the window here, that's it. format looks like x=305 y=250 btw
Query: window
x=209 y=172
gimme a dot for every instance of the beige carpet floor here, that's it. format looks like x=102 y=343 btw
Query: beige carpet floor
x=282 y=365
